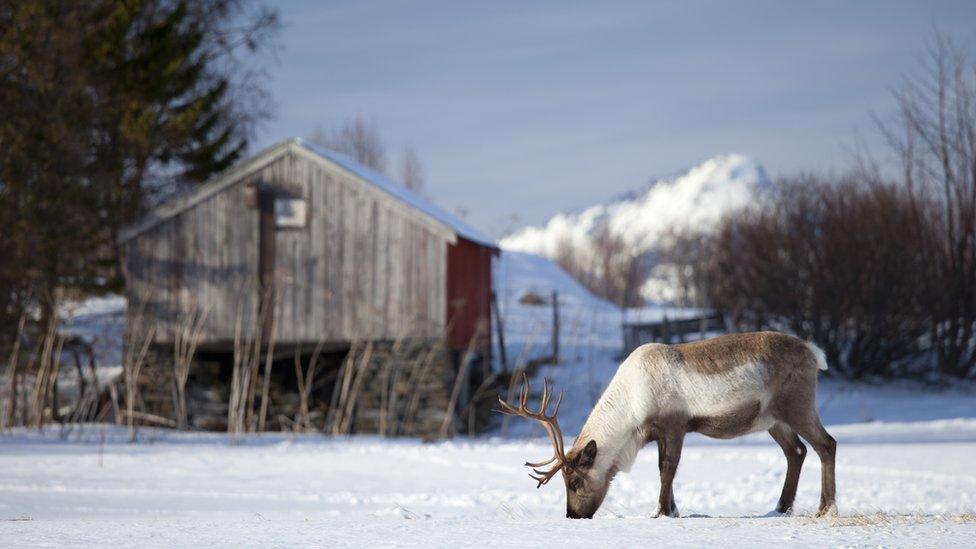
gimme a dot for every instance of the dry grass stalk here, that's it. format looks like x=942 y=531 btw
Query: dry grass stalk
x=305 y=383
x=268 y=363
x=265 y=327
x=86 y=408
x=150 y=418
x=409 y=424
x=8 y=415
x=345 y=426
x=252 y=370
x=239 y=375
x=46 y=377
x=248 y=344
x=520 y=364
x=483 y=391
x=389 y=378
x=116 y=410
x=420 y=372
x=138 y=340
x=460 y=380
x=340 y=390
x=185 y=341
x=52 y=386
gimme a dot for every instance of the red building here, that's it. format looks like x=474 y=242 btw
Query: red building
x=469 y=295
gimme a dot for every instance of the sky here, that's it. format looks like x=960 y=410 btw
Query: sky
x=520 y=110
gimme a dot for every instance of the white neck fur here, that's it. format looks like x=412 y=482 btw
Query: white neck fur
x=616 y=424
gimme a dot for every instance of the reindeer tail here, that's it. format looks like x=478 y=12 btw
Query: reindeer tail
x=818 y=355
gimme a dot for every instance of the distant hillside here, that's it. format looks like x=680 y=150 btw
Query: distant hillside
x=641 y=222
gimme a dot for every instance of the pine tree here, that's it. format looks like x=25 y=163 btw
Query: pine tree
x=103 y=104
x=163 y=104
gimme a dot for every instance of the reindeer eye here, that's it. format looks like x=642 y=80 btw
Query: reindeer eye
x=575 y=484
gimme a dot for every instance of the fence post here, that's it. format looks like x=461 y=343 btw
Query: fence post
x=500 y=327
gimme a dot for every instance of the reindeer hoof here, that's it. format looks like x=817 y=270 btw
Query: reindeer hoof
x=828 y=511
x=673 y=513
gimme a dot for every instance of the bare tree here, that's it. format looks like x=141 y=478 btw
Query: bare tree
x=411 y=171
x=357 y=137
x=610 y=268
x=838 y=262
x=934 y=134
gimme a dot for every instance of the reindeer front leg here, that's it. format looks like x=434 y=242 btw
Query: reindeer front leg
x=668 y=456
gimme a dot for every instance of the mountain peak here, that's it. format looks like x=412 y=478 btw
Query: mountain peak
x=693 y=200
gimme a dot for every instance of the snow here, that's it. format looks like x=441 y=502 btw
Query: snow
x=100 y=322
x=590 y=336
x=657 y=313
x=695 y=200
x=586 y=321
x=900 y=483
x=906 y=473
x=377 y=179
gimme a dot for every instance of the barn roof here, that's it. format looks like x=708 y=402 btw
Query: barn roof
x=185 y=201
x=462 y=228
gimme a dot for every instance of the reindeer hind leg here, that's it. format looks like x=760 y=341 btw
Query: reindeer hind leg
x=826 y=448
x=795 y=452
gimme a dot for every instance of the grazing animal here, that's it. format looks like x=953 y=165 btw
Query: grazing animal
x=724 y=388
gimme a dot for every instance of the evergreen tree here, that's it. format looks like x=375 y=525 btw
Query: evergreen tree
x=103 y=105
x=163 y=101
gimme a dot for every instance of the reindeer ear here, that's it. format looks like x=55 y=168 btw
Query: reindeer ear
x=588 y=455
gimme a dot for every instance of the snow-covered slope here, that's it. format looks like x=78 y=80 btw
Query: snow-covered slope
x=586 y=321
x=517 y=274
x=695 y=200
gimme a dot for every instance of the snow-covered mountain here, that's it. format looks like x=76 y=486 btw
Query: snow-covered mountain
x=695 y=200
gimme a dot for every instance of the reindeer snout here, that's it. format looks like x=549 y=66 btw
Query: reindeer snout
x=574 y=515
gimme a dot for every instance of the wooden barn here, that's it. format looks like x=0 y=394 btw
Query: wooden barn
x=339 y=253
x=346 y=254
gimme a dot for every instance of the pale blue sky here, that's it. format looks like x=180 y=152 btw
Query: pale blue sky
x=531 y=108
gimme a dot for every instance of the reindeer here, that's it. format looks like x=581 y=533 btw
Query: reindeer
x=723 y=388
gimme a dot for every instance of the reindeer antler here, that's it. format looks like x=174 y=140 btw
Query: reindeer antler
x=549 y=423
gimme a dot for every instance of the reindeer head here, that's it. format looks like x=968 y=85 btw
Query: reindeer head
x=584 y=491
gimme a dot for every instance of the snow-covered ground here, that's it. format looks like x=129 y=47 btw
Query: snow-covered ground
x=906 y=467
x=906 y=472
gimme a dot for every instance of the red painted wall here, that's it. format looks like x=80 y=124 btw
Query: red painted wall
x=468 y=294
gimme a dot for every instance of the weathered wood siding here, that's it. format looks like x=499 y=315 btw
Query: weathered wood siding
x=365 y=265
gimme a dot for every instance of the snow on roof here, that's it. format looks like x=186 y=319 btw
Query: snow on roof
x=372 y=177
x=414 y=200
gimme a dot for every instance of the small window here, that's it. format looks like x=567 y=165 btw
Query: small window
x=289 y=213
